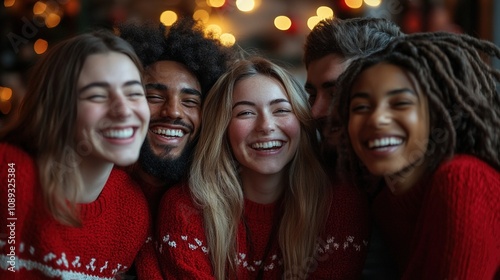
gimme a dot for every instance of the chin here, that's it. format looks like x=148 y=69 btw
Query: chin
x=126 y=160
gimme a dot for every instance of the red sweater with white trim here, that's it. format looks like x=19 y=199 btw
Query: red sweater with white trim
x=36 y=246
x=448 y=226
x=183 y=252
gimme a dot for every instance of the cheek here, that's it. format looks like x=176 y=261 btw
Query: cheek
x=154 y=110
x=236 y=133
x=291 y=127
x=194 y=117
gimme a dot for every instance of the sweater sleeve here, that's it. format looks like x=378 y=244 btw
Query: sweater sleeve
x=458 y=229
x=182 y=248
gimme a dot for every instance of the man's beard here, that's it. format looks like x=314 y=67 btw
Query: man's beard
x=170 y=170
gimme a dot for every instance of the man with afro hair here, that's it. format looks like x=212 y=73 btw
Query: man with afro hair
x=181 y=64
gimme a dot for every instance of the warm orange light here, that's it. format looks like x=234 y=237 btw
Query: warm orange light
x=9 y=3
x=324 y=12
x=5 y=94
x=227 y=39
x=168 y=18
x=52 y=20
x=39 y=8
x=213 y=30
x=40 y=46
x=354 y=4
x=216 y=3
x=202 y=15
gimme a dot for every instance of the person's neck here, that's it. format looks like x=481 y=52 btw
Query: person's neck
x=261 y=188
x=94 y=174
x=403 y=181
x=144 y=177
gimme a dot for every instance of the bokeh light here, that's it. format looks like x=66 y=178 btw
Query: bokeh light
x=227 y=39
x=168 y=18
x=282 y=22
x=324 y=12
x=201 y=15
x=39 y=8
x=354 y=4
x=373 y=3
x=52 y=20
x=216 y=3
x=40 y=46
x=312 y=21
x=245 y=5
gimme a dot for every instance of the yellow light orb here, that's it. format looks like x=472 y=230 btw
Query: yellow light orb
x=312 y=21
x=282 y=22
x=216 y=3
x=227 y=39
x=201 y=15
x=324 y=12
x=245 y=5
x=213 y=30
x=168 y=18
x=373 y=3
x=354 y=4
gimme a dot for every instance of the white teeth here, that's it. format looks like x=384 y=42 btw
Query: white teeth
x=267 y=145
x=382 y=142
x=119 y=133
x=169 y=132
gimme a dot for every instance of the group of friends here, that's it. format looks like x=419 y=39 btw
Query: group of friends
x=159 y=153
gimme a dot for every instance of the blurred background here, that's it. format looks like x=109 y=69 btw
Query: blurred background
x=274 y=28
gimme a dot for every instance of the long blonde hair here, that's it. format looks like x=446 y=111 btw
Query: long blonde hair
x=45 y=125
x=216 y=187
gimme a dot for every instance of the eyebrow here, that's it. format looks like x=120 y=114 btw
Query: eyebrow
x=274 y=101
x=159 y=86
x=391 y=92
x=325 y=85
x=106 y=85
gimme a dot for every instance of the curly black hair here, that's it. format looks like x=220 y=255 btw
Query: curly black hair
x=461 y=87
x=184 y=42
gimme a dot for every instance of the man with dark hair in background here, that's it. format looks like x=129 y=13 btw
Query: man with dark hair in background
x=329 y=49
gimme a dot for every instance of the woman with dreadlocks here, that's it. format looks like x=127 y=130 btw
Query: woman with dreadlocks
x=424 y=115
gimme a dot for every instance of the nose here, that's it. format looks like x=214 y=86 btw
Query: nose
x=380 y=117
x=171 y=108
x=120 y=107
x=265 y=123
x=321 y=105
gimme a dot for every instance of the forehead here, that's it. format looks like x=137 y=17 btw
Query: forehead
x=327 y=67
x=108 y=67
x=259 y=87
x=168 y=72
x=384 y=76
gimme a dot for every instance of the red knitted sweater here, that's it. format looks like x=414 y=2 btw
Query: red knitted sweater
x=183 y=253
x=447 y=227
x=36 y=246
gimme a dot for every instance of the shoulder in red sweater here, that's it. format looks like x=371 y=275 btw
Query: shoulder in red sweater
x=36 y=246
x=452 y=222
